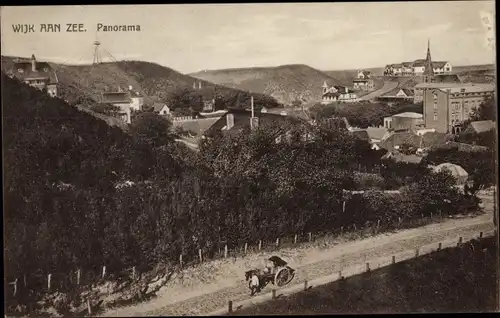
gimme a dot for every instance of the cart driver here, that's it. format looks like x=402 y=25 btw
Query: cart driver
x=269 y=267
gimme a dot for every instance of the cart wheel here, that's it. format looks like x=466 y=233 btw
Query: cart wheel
x=282 y=277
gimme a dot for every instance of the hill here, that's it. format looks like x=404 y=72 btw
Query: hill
x=155 y=82
x=286 y=83
x=346 y=76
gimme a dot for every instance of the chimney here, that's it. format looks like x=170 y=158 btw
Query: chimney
x=251 y=106
x=229 y=121
x=33 y=63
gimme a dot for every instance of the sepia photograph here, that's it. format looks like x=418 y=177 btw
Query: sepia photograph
x=250 y=159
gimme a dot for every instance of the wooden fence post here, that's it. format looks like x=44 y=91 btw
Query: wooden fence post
x=103 y=271
x=49 y=278
x=480 y=235
x=341 y=230
x=378 y=224
x=274 y=293
x=225 y=251
x=246 y=247
x=310 y=236
x=393 y=259
x=399 y=219
x=230 y=306
x=277 y=242
x=133 y=273
x=367 y=267
x=460 y=239
x=340 y=274
x=89 y=308
x=78 y=273
x=354 y=226
x=15 y=286
x=260 y=245
x=440 y=246
x=295 y=239
x=431 y=215
x=199 y=254
x=416 y=252
x=305 y=285
x=180 y=260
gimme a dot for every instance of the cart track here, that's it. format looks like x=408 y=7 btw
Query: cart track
x=309 y=264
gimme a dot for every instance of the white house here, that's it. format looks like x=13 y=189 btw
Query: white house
x=441 y=67
x=137 y=100
x=121 y=100
x=363 y=81
x=161 y=109
x=337 y=93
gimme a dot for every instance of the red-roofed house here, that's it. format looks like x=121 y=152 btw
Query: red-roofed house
x=37 y=74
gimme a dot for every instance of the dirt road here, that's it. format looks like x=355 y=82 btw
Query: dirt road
x=198 y=298
x=384 y=89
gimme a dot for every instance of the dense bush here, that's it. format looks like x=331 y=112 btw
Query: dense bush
x=363 y=115
x=79 y=193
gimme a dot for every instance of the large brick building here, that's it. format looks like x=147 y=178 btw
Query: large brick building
x=445 y=109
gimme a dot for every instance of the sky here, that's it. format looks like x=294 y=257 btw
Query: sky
x=327 y=36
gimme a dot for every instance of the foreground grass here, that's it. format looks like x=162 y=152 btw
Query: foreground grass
x=461 y=279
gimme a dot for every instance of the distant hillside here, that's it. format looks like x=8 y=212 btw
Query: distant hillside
x=155 y=82
x=286 y=83
x=347 y=76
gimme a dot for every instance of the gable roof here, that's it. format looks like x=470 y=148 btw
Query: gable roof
x=438 y=64
x=409 y=115
x=481 y=126
x=377 y=132
x=395 y=91
x=197 y=127
x=43 y=70
x=157 y=107
x=428 y=140
x=242 y=121
x=361 y=134
x=419 y=63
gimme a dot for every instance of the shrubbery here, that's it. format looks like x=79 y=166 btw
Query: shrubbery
x=68 y=203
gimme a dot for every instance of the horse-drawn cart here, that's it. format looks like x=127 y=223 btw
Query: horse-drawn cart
x=279 y=274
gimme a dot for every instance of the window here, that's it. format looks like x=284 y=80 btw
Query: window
x=435 y=105
x=435 y=117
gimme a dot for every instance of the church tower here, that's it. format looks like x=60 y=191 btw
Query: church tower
x=429 y=71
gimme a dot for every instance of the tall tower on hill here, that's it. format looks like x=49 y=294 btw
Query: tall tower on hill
x=429 y=71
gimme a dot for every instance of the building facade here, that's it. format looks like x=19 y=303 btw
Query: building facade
x=363 y=81
x=337 y=93
x=404 y=122
x=121 y=100
x=445 y=109
x=37 y=74
x=419 y=67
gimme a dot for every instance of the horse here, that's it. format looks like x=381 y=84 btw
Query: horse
x=253 y=281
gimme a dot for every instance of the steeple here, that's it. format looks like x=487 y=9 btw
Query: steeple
x=429 y=71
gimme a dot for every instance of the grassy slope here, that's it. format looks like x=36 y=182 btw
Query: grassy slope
x=456 y=279
x=152 y=80
x=285 y=83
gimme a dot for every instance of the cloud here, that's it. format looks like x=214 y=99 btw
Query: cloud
x=431 y=30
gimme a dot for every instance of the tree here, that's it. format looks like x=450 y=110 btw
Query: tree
x=152 y=129
x=486 y=111
x=185 y=101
